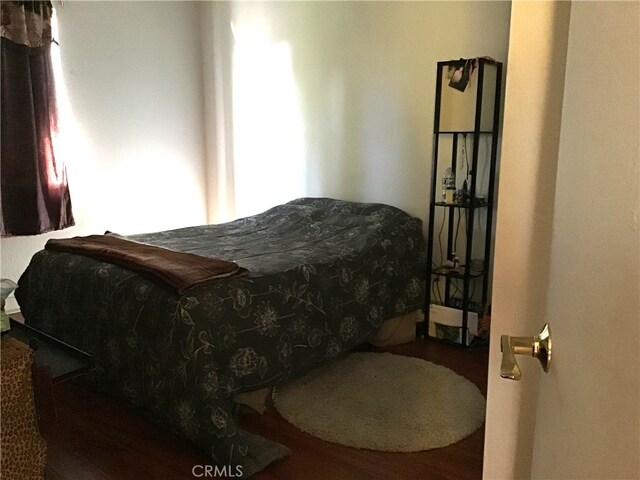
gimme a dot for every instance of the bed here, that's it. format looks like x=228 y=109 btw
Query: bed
x=322 y=275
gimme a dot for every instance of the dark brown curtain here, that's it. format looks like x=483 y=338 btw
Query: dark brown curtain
x=33 y=189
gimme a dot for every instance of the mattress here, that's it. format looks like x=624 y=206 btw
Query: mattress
x=322 y=276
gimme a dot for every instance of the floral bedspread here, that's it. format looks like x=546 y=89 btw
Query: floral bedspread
x=323 y=275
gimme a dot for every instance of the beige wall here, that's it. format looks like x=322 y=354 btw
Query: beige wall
x=132 y=129
x=358 y=107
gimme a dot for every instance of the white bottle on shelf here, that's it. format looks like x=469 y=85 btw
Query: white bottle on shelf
x=448 y=185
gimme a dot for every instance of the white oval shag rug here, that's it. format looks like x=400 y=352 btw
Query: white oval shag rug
x=382 y=401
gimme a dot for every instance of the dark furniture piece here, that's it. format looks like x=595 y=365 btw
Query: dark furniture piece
x=54 y=362
x=465 y=139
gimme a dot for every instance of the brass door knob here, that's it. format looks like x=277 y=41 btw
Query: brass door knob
x=538 y=346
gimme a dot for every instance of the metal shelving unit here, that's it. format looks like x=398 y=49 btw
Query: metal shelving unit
x=485 y=125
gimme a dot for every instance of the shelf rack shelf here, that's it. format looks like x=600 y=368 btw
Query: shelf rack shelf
x=461 y=205
x=487 y=106
x=452 y=273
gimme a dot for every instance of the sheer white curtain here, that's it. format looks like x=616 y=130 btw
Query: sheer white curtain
x=256 y=146
x=217 y=47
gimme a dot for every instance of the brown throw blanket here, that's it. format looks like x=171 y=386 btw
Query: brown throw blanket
x=178 y=270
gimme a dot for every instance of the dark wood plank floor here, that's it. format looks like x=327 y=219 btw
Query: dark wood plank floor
x=99 y=438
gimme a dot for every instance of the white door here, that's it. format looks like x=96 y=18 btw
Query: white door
x=567 y=245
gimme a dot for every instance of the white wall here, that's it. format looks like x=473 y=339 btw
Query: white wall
x=357 y=107
x=132 y=129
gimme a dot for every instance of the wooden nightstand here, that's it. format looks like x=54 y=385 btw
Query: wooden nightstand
x=54 y=362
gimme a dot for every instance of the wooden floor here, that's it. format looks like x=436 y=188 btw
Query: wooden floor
x=99 y=438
